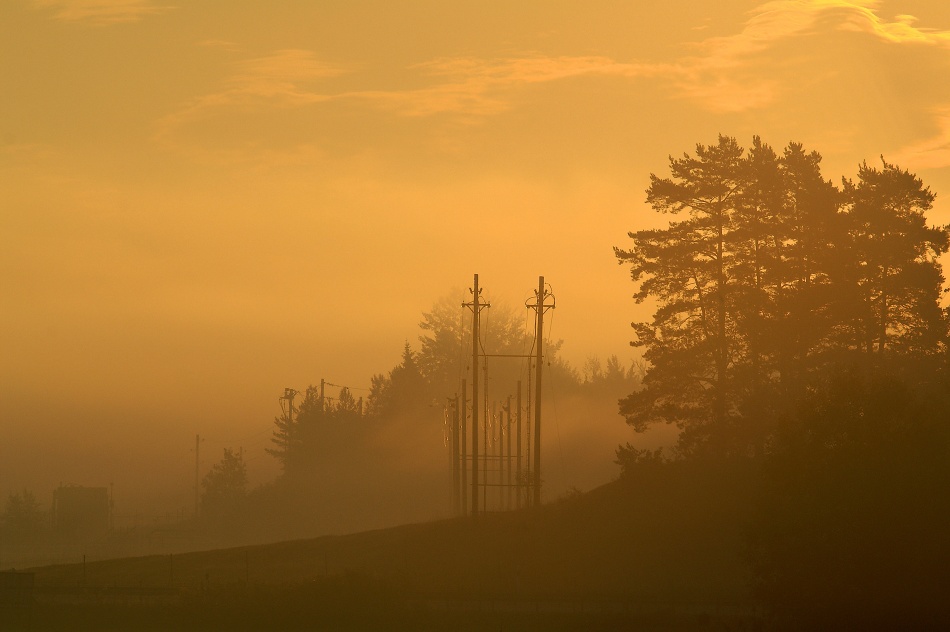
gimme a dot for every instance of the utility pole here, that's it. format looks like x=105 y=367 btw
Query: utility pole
x=289 y=395
x=508 y=457
x=539 y=307
x=488 y=438
x=476 y=305
x=518 y=448
x=197 y=465
x=322 y=384
x=485 y=446
x=539 y=340
x=497 y=449
x=464 y=449
x=528 y=437
x=456 y=500
x=475 y=314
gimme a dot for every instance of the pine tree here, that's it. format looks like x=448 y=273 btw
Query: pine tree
x=772 y=277
x=226 y=484
x=687 y=268
x=895 y=268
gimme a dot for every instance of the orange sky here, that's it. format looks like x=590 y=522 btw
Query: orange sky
x=202 y=203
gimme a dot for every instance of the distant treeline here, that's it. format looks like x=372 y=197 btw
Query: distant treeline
x=351 y=463
x=347 y=462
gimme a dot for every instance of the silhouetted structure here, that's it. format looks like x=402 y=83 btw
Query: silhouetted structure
x=497 y=467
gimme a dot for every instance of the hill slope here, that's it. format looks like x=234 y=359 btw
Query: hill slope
x=670 y=543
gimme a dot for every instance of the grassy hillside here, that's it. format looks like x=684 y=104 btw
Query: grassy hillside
x=668 y=544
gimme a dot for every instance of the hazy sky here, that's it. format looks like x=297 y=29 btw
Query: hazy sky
x=204 y=202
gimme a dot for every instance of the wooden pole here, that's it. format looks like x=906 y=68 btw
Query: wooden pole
x=197 y=476
x=475 y=314
x=518 y=448
x=456 y=478
x=464 y=448
x=508 y=480
x=537 y=397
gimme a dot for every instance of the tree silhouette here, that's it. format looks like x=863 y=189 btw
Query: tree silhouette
x=809 y=232
x=445 y=355
x=895 y=268
x=446 y=343
x=686 y=268
x=296 y=435
x=771 y=276
x=403 y=391
x=378 y=400
x=22 y=517
x=347 y=408
x=409 y=390
x=226 y=484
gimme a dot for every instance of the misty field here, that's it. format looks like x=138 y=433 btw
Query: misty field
x=660 y=551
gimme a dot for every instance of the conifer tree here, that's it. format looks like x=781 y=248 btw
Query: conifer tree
x=768 y=276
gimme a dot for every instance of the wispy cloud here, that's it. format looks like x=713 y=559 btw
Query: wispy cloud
x=468 y=88
x=779 y=20
x=720 y=74
x=900 y=30
x=100 y=12
x=725 y=73
x=282 y=76
x=932 y=152
x=738 y=72
x=746 y=70
x=478 y=87
x=282 y=79
x=219 y=44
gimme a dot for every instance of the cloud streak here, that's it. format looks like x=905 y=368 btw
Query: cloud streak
x=477 y=87
x=726 y=73
x=933 y=152
x=722 y=74
x=467 y=88
x=100 y=12
x=901 y=30
x=282 y=79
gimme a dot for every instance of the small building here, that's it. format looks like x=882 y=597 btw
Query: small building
x=81 y=513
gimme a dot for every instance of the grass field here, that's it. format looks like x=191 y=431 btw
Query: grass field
x=661 y=553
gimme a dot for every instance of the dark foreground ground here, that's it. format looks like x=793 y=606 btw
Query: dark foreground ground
x=390 y=620
x=632 y=555
x=357 y=603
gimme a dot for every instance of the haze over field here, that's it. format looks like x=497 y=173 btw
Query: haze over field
x=204 y=203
